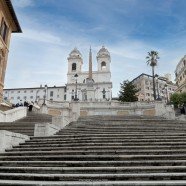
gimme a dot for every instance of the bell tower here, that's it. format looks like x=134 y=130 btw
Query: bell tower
x=103 y=60
x=75 y=62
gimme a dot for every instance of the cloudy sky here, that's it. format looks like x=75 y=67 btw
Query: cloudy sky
x=127 y=28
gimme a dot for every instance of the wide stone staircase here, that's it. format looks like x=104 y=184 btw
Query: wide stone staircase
x=27 y=124
x=101 y=150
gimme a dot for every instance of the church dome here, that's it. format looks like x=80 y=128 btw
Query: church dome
x=75 y=53
x=103 y=52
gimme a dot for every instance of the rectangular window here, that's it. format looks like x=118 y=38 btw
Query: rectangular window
x=25 y=97
x=18 y=97
x=25 y=91
x=18 y=91
x=51 y=93
x=31 y=97
x=4 y=30
x=31 y=91
x=65 y=97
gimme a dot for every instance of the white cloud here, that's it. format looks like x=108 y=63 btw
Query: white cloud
x=40 y=36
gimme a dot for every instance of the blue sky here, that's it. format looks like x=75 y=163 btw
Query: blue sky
x=127 y=28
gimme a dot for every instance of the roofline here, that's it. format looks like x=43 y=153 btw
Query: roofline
x=160 y=78
x=13 y=14
x=33 y=88
x=140 y=76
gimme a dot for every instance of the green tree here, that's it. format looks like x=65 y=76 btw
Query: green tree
x=178 y=99
x=175 y=99
x=183 y=98
x=128 y=92
x=152 y=61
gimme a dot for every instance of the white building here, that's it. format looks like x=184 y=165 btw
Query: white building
x=88 y=85
x=101 y=87
x=37 y=94
x=164 y=87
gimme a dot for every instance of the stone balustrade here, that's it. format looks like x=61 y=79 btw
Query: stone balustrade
x=13 y=114
x=9 y=139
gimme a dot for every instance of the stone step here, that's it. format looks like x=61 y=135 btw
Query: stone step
x=118 y=135
x=116 y=132
x=126 y=124
x=128 y=135
x=139 y=163
x=90 y=183
x=96 y=152
x=120 y=141
x=93 y=157
x=57 y=144
x=93 y=177
x=74 y=128
x=128 y=121
x=28 y=128
x=18 y=124
x=94 y=170
x=154 y=147
x=101 y=139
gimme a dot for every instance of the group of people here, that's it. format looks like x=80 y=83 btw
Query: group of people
x=182 y=109
x=25 y=104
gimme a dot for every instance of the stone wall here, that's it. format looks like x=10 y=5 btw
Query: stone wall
x=9 y=139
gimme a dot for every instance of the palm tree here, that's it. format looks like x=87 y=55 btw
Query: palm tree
x=152 y=61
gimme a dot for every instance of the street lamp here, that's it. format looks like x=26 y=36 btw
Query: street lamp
x=166 y=92
x=76 y=99
x=36 y=96
x=156 y=76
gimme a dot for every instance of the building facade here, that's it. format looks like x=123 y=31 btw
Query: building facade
x=180 y=74
x=81 y=85
x=89 y=85
x=8 y=24
x=164 y=87
x=37 y=94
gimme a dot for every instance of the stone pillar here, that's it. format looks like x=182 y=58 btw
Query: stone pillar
x=44 y=109
x=75 y=110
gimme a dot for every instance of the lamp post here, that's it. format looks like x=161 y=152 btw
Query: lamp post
x=76 y=99
x=158 y=98
x=166 y=93
x=36 y=96
x=44 y=103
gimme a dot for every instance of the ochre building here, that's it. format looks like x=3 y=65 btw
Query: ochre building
x=8 y=24
x=180 y=74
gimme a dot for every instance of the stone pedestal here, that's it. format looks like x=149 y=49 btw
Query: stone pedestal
x=90 y=94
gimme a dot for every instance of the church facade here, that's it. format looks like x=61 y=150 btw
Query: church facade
x=81 y=85
x=89 y=85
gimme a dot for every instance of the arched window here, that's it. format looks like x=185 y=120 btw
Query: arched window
x=103 y=65
x=73 y=66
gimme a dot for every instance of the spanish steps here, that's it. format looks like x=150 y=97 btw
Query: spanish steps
x=101 y=150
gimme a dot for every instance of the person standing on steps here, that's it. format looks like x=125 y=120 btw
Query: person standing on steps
x=30 y=107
